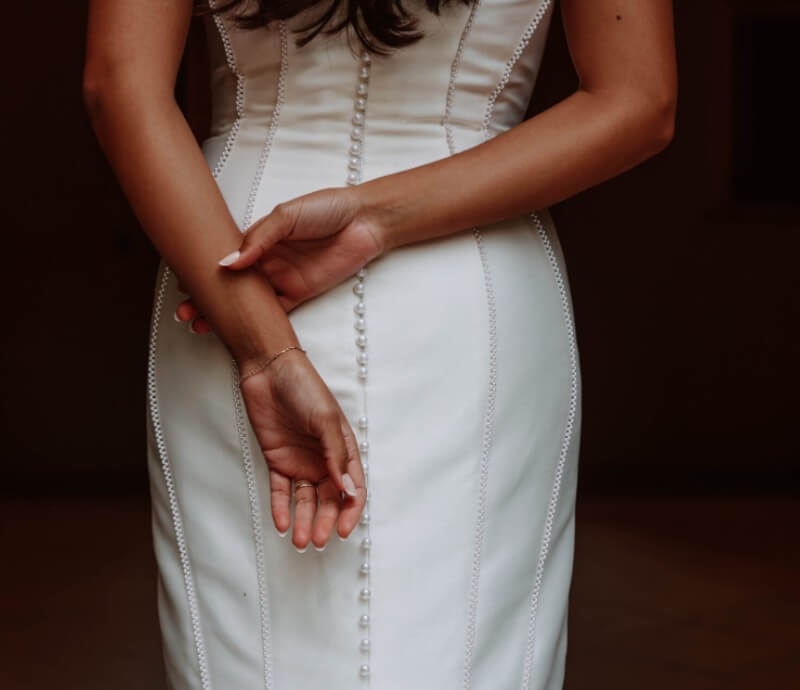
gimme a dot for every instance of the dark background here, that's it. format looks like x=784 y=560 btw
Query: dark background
x=685 y=285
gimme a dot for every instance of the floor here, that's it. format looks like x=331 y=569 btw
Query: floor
x=696 y=594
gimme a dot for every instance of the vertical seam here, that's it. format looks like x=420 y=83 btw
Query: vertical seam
x=174 y=507
x=233 y=67
x=280 y=97
x=566 y=443
x=454 y=69
x=522 y=44
x=258 y=536
x=489 y=414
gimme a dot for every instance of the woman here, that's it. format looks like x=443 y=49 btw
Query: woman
x=377 y=158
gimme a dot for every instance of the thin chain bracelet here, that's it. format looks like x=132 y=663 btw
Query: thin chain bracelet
x=263 y=366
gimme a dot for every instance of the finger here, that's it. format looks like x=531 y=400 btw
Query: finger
x=351 y=509
x=330 y=432
x=287 y=303
x=260 y=237
x=201 y=326
x=187 y=311
x=327 y=512
x=280 y=496
x=305 y=507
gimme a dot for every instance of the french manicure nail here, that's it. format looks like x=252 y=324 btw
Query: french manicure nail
x=348 y=484
x=319 y=548
x=303 y=550
x=230 y=258
x=281 y=534
x=176 y=317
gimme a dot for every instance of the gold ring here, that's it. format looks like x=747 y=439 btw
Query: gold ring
x=303 y=483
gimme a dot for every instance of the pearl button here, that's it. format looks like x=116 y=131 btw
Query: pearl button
x=364 y=569
x=365 y=467
x=358 y=288
x=360 y=308
x=354 y=163
x=366 y=543
x=364 y=644
x=361 y=104
x=363 y=446
x=366 y=58
x=362 y=89
x=360 y=325
x=358 y=118
x=364 y=518
x=355 y=149
x=362 y=422
x=364 y=670
x=362 y=273
x=352 y=178
x=356 y=133
x=365 y=594
x=361 y=357
x=361 y=340
x=363 y=620
x=362 y=373
x=363 y=73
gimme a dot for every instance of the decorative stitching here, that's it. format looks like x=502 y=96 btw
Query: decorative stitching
x=454 y=68
x=258 y=537
x=565 y=446
x=527 y=35
x=174 y=507
x=280 y=97
x=489 y=415
x=230 y=58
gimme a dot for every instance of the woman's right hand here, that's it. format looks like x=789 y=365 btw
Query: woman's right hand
x=304 y=435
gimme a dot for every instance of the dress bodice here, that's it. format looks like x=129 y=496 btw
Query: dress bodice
x=469 y=77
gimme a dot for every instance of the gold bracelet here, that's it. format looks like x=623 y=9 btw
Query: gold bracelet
x=263 y=366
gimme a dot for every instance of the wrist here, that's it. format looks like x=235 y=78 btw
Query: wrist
x=382 y=213
x=248 y=318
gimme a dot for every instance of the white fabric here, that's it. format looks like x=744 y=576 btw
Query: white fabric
x=473 y=393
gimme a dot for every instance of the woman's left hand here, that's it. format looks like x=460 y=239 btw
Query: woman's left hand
x=304 y=247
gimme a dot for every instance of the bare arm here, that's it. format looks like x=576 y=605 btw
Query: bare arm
x=622 y=113
x=133 y=53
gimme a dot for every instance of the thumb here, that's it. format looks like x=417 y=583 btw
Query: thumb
x=258 y=239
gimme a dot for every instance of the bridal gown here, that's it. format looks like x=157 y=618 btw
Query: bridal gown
x=454 y=360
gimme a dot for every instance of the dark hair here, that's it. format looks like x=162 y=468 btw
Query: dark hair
x=380 y=25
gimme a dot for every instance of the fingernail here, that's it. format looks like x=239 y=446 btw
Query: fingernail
x=228 y=260
x=176 y=317
x=281 y=534
x=319 y=548
x=303 y=550
x=340 y=537
x=348 y=484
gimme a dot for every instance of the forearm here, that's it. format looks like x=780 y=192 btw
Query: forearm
x=170 y=188
x=578 y=143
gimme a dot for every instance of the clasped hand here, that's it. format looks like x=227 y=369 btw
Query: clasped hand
x=304 y=247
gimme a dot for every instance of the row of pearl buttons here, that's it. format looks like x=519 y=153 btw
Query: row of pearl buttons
x=353 y=178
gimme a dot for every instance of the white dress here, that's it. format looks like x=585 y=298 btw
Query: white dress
x=458 y=576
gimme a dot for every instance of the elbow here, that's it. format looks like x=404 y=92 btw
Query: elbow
x=659 y=123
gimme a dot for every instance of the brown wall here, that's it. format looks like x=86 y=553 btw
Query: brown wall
x=687 y=304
